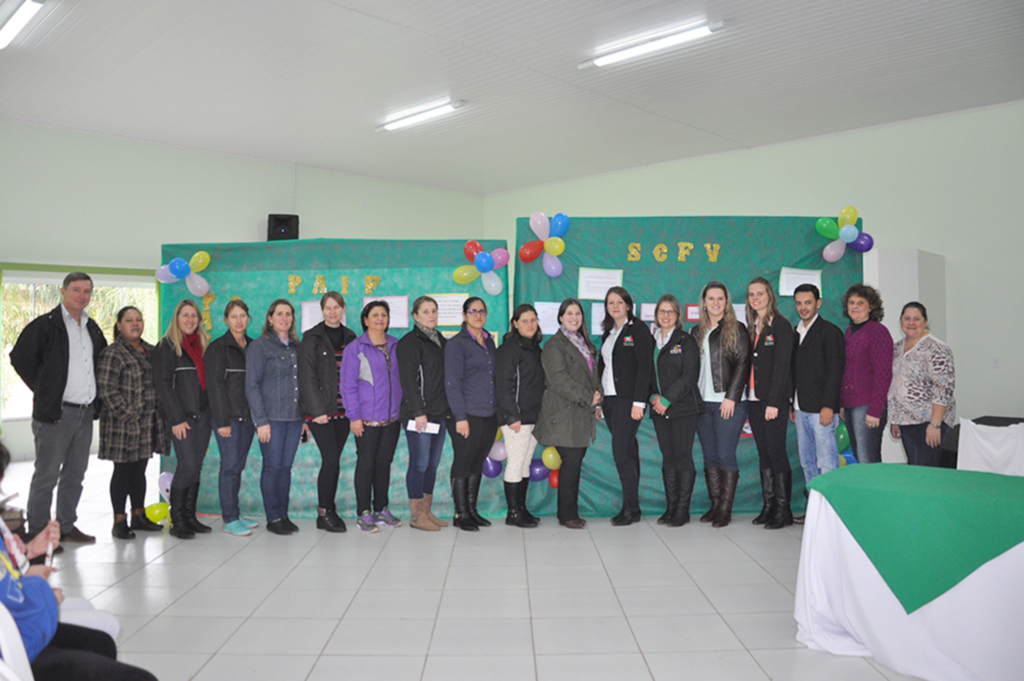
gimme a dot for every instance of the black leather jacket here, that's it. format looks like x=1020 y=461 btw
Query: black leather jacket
x=730 y=372
x=177 y=384
x=225 y=380
x=518 y=381
x=319 y=378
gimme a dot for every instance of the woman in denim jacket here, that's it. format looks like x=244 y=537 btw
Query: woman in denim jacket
x=272 y=388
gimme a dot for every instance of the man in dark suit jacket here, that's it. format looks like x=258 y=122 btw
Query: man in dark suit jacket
x=819 y=357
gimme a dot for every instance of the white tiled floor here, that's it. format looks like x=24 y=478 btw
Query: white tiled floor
x=640 y=602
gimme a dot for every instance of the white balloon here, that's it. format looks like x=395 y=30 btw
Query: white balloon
x=197 y=286
x=492 y=283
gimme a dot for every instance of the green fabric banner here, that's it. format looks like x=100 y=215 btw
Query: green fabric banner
x=678 y=255
x=301 y=271
x=926 y=529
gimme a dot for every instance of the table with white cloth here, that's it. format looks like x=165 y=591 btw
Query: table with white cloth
x=921 y=568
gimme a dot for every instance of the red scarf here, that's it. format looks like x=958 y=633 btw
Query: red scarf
x=193 y=346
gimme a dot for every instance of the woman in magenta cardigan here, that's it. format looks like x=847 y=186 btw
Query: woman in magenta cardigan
x=868 y=373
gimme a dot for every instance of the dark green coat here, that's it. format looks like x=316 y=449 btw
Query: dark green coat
x=567 y=418
x=130 y=429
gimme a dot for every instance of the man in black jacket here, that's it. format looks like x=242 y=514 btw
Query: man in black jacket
x=819 y=357
x=56 y=356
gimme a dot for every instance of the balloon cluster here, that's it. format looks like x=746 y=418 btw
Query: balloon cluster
x=549 y=242
x=843 y=234
x=484 y=264
x=843 y=444
x=544 y=468
x=178 y=269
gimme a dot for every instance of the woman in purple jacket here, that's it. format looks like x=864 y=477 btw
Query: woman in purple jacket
x=372 y=393
x=865 y=388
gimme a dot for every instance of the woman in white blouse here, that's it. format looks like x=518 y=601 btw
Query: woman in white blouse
x=921 y=404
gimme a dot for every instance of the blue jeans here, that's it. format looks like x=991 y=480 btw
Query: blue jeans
x=865 y=442
x=719 y=437
x=819 y=452
x=278 y=456
x=916 y=447
x=234 y=451
x=424 y=458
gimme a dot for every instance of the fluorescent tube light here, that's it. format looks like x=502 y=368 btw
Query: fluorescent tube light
x=404 y=121
x=655 y=45
x=18 y=21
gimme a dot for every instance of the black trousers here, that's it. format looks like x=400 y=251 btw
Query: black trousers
x=569 y=482
x=675 y=438
x=128 y=480
x=330 y=440
x=770 y=437
x=625 y=449
x=470 y=452
x=375 y=451
x=84 y=655
x=191 y=451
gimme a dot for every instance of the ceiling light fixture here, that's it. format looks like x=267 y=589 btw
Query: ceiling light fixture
x=18 y=21
x=656 y=45
x=416 y=116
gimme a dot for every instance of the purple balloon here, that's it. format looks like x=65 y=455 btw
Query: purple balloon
x=552 y=265
x=863 y=243
x=164 y=276
x=492 y=468
x=538 y=471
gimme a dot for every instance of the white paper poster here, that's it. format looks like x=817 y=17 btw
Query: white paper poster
x=790 y=278
x=596 y=318
x=693 y=312
x=594 y=283
x=547 y=315
x=741 y=312
x=311 y=315
x=399 y=306
x=648 y=312
x=449 y=308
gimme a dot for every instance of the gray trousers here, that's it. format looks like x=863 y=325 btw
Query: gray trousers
x=62 y=455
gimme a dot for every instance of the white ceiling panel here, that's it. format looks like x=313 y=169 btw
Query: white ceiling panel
x=308 y=81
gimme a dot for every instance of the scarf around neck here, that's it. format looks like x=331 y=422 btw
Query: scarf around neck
x=193 y=347
x=577 y=340
x=431 y=334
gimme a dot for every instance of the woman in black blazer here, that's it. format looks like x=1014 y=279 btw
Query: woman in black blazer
x=675 y=406
x=625 y=364
x=770 y=390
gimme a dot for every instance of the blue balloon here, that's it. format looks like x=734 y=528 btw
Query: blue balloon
x=179 y=267
x=492 y=468
x=559 y=225
x=848 y=233
x=538 y=471
x=484 y=261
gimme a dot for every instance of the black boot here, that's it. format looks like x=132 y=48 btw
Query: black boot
x=723 y=515
x=141 y=522
x=670 y=476
x=684 y=491
x=327 y=519
x=524 y=487
x=179 y=520
x=474 y=494
x=190 y=509
x=460 y=499
x=767 y=483
x=713 y=477
x=515 y=512
x=782 y=513
x=121 y=529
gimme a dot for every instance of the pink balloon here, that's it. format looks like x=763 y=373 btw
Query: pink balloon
x=165 y=485
x=553 y=266
x=501 y=258
x=498 y=452
x=540 y=225
x=834 y=251
x=164 y=276
x=197 y=286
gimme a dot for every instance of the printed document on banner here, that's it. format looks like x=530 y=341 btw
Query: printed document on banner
x=399 y=309
x=790 y=278
x=449 y=308
x=594 y=283
x=547 y=315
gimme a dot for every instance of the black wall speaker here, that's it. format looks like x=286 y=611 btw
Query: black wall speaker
x=282 y=227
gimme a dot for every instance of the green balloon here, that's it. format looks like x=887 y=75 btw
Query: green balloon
x=842 y=437
x=828 y=228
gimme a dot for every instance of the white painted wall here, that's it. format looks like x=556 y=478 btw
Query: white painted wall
x=952 y=185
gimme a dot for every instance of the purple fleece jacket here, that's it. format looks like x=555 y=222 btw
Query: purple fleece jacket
x=868 y=368
x=368 y=391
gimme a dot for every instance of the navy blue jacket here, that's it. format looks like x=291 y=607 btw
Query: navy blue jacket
x=469 y=376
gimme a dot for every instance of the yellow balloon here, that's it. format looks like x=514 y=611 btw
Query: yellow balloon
x=551 y=458
x=157 y=512
x=465 y=274
x=200 y=261
x=848 y=216
x=497 y=437
x=554 y=245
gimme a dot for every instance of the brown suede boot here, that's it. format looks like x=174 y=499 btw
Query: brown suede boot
x=420 y=520
x=428 y=501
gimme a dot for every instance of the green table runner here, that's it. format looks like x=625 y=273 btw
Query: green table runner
x=925 y=529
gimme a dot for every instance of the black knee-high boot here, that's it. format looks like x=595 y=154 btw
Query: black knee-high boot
x=782 y=513
x=713 y=477
x=767 y=486
x=179 y=519
x=460 y=498
x=524 y=487
x=190 y=509
x=474 y=494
